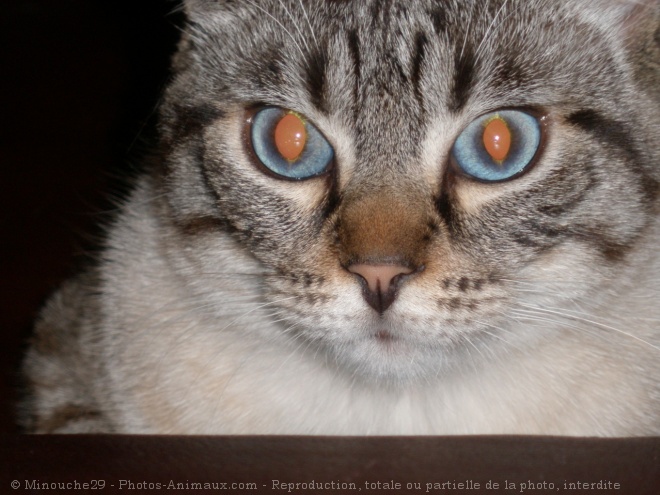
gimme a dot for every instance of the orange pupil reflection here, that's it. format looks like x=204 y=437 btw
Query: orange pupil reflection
x=290 y=136
x=497 y=139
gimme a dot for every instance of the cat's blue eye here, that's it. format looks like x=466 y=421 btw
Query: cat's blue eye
x=289 y=145
x=498 y=146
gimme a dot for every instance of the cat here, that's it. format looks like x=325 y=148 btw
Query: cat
x=380 y=218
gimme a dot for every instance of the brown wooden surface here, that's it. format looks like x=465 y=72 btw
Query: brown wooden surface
x=80 y=79
x=373 y=464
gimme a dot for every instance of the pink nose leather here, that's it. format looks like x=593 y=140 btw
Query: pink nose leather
x=379 y=277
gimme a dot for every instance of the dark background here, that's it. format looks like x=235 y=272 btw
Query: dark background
x=79 y=83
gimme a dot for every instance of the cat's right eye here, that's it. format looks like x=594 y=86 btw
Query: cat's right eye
x=288 y=145
x=498 y=146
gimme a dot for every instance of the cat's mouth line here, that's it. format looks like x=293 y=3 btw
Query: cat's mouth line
x=385 y=336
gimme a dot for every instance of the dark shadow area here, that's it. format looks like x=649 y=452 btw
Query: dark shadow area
x=80 y=81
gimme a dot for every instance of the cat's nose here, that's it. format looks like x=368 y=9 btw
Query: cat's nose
x=379 y=289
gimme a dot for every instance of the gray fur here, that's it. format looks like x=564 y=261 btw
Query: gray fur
x=222 y=302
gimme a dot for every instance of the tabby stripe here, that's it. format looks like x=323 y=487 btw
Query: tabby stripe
x=464 y=78
x=384 y=7
x=510 y=75
x=192 y=119
x=396 y=66
x=270 y=74
x=439 y=20
x=563 y=190
x=191 y=225
x=333 y=200
x=418 y=60
x=611 y=250
x=537 y=243
x=543 y=237
x=446 y=211
x=188 y=126
x=200 y=162
x=203 y=225
x=316 y=79
x=607 y=131
x=354 y=48
x=545 y=230
x=614 y=132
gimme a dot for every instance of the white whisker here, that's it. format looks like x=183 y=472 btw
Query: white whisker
x=311 y=29
x=476 y=53
x=295 y=23
x=586 y=320
x=302 y=53
x=467 y=31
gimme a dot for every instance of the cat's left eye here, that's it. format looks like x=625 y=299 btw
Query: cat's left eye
x=288 y=145
x=498 y=146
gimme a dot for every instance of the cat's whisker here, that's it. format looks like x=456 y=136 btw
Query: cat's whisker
x=311 y=29
x=541 y=318
x=467 y=339
x=494 y=335
x=476 y=53
x=295 y=23
x=467 y=31
x=256 y=308
x=295 y=42
x=536 y=283
x=294 y=351
x=592 y=322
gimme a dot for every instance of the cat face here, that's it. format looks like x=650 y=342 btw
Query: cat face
x=413 y=180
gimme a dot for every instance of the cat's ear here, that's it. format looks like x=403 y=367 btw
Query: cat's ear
x=630 y=20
